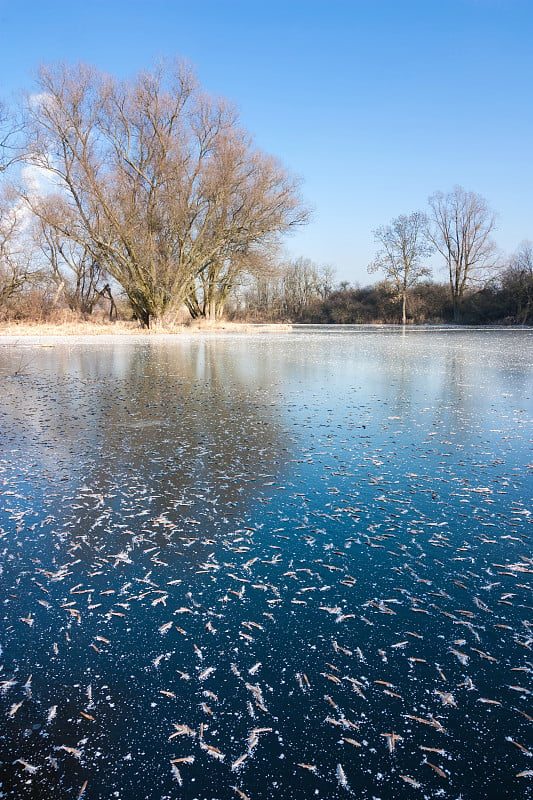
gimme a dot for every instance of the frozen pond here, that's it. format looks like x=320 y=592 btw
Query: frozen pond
x=293 y=565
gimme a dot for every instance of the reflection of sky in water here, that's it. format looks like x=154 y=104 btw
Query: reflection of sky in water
x=292 y=566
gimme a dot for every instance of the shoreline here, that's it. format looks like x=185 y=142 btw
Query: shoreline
x=66 y=329
x=13 y=331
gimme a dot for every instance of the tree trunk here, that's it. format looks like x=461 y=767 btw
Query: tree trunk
x=211 y=309
x=456 y=309
x=140 y=312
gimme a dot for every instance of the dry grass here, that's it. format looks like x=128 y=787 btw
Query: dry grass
x=73 y=328
x=123 y=328
x=234 y=327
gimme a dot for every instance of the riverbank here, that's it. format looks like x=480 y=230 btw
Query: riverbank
x=123 y=328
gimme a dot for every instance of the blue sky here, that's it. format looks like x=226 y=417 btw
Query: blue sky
x=376 y=104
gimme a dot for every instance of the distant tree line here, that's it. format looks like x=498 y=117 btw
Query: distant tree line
x=507 y=298
x=145 y=197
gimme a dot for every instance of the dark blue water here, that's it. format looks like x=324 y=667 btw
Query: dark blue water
x=293 y=566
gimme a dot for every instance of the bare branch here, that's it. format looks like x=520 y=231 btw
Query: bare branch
x=11 y=149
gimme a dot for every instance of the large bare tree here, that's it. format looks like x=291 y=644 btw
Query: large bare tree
x=460 y=228
x=165 y=188
x=403 y=247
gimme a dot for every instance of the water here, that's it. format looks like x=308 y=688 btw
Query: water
x=301 y=562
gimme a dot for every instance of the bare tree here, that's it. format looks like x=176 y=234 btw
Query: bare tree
x=222 y=279
x=517 y=279
x=460 y=228
x=326 y=281
x=285 y=289
x=166 y=190
x=260 y=296
x=302 y=282
x=16 y=258
x=403 y=247
x=14 y=263
x=78 y=276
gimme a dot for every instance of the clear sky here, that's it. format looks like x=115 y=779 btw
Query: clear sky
x=376 y=104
